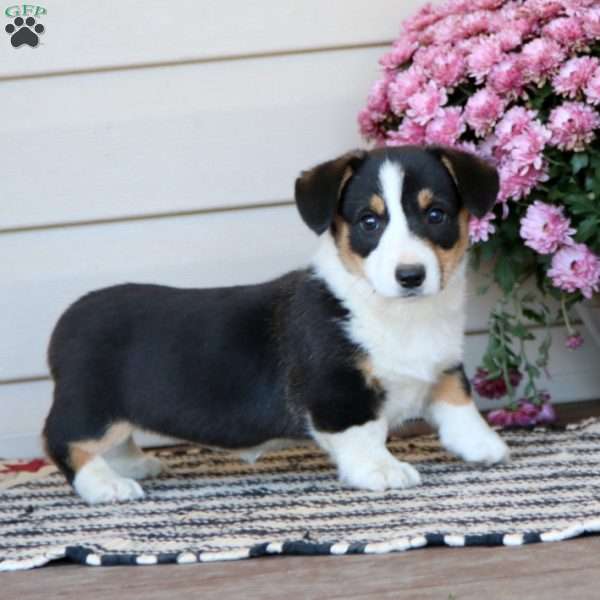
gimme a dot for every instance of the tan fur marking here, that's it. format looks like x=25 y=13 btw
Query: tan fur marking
x=449 y=259
x=450 y=389
x=352 y=261
x=78 y=458
x=425 y=198
x=448 y=164
x=83 y=451
x=348 y=172
x=377 y=204
x=365 y=366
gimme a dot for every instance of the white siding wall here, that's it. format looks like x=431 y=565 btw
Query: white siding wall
x=152 y=141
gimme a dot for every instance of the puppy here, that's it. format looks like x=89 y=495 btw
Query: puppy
x=369 y=335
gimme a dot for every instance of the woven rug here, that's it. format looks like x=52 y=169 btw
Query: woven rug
x=210 y=506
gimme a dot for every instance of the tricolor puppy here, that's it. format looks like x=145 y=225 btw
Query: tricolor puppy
x=371 y=334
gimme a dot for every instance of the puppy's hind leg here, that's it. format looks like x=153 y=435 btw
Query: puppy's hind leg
x=82 y=462
x=128 y=460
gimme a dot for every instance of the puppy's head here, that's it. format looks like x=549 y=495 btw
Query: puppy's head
x=398 y=216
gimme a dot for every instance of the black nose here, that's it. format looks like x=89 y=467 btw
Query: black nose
x=410 y=276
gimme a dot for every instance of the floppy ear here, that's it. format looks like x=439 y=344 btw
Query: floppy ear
x=319 y=189
x=476 y=180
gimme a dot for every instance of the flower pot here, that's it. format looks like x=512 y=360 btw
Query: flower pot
x=589 y=312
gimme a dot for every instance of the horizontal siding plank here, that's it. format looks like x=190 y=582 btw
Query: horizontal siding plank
x=177 y=139
x=101 y=35
x=573 y=377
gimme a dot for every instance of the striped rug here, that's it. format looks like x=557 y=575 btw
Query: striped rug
x=210 y=506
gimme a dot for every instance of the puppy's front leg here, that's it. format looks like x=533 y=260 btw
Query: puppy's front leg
x=462 y=430
x=362 y=459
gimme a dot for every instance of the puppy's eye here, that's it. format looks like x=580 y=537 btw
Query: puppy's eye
x=370 y=222
x=436 y=216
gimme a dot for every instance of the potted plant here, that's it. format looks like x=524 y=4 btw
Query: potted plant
x=516 y=82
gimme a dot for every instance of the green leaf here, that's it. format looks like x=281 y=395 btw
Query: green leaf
x=505 y=274
x=579 y=161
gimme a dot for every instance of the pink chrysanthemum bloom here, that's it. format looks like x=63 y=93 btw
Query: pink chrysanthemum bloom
x=576 y=268
x=482 y=110
x=592 y=89
x=507 y=77
x=572 y=125
x=405 y=84
x=402 y=51
x=591 y=23
x=427 y=103
x=567 y=31
x=481 y=229
x=368 y=124
x=516 y=182
x=409 y=132
x=545 y=227
x=446 y=128
x=445 y=65
x=484 y=55
x=574 y=75
x=540 y=57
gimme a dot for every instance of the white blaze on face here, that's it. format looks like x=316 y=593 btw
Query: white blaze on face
x=398 y=245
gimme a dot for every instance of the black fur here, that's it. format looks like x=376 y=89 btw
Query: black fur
x=230 y=367
x=318 y=191
x=477 y=181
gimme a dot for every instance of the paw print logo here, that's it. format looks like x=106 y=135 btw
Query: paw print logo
x=24 y=32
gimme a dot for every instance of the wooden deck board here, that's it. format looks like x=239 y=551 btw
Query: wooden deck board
x=566 y=569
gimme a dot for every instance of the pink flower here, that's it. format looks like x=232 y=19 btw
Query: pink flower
x=575 y=268
x=508 y=39
x=500 y=417
x=481 y=229
x=426 y=104
x=494 y=388
x=474 y=23
x=572 y=125
x=368 y=124
x=514 y=122
x=526 y=415
x=547 y=414
x=401 y=52
x=482 y=110
x=591 y=23
x=425 y=17
x=565 y=30
x=540 y=57
x=544 y=228
x=445 y=65
x=507 y=76
x=574 y=341
x=446 y=128
x=409 y=132
x=484 y=55
x=574 y=75
x=592 y=89
x=406 y=84
x=517 y=181
x=377 y=101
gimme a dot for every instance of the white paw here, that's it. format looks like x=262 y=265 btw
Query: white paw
x=139 y=467
x=381 y=475
x=97 y=483
x=482 y=446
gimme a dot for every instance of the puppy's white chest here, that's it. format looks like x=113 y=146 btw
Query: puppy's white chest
x=408 y=350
